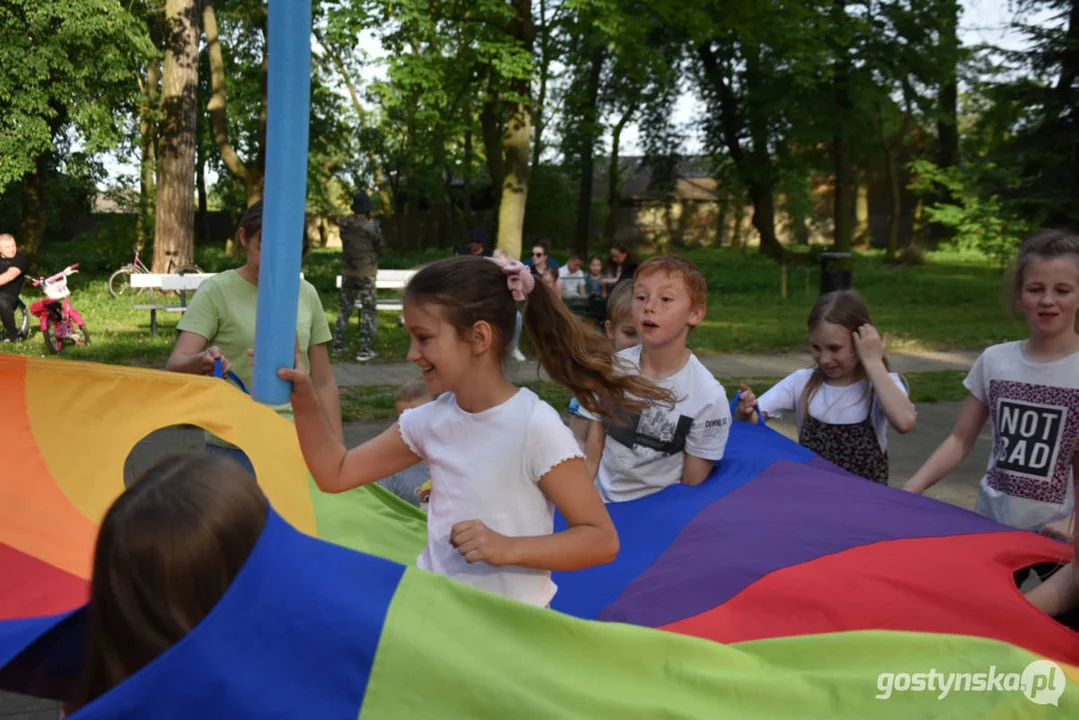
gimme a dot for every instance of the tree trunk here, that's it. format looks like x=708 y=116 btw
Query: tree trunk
x=948 y=95
x=738 y=241
x=844 y=199
x=947 y=154
x=323 y=232
x=539 y=110
x=511 y=211
x=895 y=195
x=589 y=130
x=843 y=207
x=147 y=138
x=798 y=223
x=862 y=236
x=721 y=218
x=34 y=218
x=372 y=159
x=614 y=181
x=492 y=141
x=1069 y=72
x=174 y=228
x=249 y=175
x=466 y=181
x=517 y=141
x=755 y=169
x=202 y=221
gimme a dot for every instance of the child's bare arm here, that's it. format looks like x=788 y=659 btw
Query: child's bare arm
x=593 y=451
x=955 y=447
x=589 y=539
x=896 y=405
x=333 y=467
x=870 y=346
x=696 y=470
x=1058 y=594
x=579 y=427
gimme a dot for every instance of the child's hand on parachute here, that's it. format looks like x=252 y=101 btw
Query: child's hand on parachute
x=747 y=404
x=211 y=354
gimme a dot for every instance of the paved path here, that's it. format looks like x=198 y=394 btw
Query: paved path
x=732 y=365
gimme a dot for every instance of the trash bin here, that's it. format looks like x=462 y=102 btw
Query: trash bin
x=835 y=272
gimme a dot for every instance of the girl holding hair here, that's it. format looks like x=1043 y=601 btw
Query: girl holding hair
x=622 y=267
x=220 y=325
x=500 y=458
x=593 y=281
x=167 y=550
x=1030 y=389
x=845 y=403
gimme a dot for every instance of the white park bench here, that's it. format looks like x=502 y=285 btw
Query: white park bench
x=182 y=284
x=388 y=280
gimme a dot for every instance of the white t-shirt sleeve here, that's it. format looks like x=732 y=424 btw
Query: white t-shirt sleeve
x=975 y=380
x=550 y=442
x=707 y=437
x=784 y=396
x=413 y=425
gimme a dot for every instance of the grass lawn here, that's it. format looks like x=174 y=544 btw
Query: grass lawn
x=955 y=301
x=375 y=403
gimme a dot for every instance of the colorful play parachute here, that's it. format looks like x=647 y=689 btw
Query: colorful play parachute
x=828 y=596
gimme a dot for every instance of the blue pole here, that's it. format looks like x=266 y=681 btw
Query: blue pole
x=285 y=198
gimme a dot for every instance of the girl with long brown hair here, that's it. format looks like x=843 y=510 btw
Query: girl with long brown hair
x=167 y=550
x=501 y=459
x=845 y=403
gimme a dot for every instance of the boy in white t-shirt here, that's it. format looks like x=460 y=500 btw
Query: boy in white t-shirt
x=571 y=277
x=663 y=445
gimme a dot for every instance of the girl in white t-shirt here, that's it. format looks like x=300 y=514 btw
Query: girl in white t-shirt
x=845 y=403
x=500 y=458
x=1030 y=389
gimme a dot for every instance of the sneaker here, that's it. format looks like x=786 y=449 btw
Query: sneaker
x=366 y=355
x=518 y=355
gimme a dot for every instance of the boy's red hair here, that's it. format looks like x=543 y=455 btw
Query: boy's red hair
x=692 y=277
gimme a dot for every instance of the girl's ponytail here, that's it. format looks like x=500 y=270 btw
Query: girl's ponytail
x=583 y=360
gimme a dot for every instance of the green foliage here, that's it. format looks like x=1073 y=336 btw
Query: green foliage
x=982 y=223
x=64 y=62
x=1021 y=114
x=99 y=251
x=552 y=204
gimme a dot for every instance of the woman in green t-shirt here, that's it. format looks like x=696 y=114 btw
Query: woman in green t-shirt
x=220 y=324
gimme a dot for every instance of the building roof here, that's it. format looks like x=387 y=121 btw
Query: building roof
x=693 y=180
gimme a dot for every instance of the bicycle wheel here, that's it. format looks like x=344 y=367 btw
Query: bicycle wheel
x=22 y=318
x=80 y=334
x=52 y=343
x=120 y=281
x=189 y=270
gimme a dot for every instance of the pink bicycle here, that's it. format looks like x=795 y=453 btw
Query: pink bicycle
x=60 y=322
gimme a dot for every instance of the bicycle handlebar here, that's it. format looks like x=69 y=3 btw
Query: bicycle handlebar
x=70 y=269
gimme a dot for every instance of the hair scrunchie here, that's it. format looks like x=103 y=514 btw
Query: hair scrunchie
x=519 y=278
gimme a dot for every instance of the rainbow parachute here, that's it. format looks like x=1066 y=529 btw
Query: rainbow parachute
x=782 y=588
